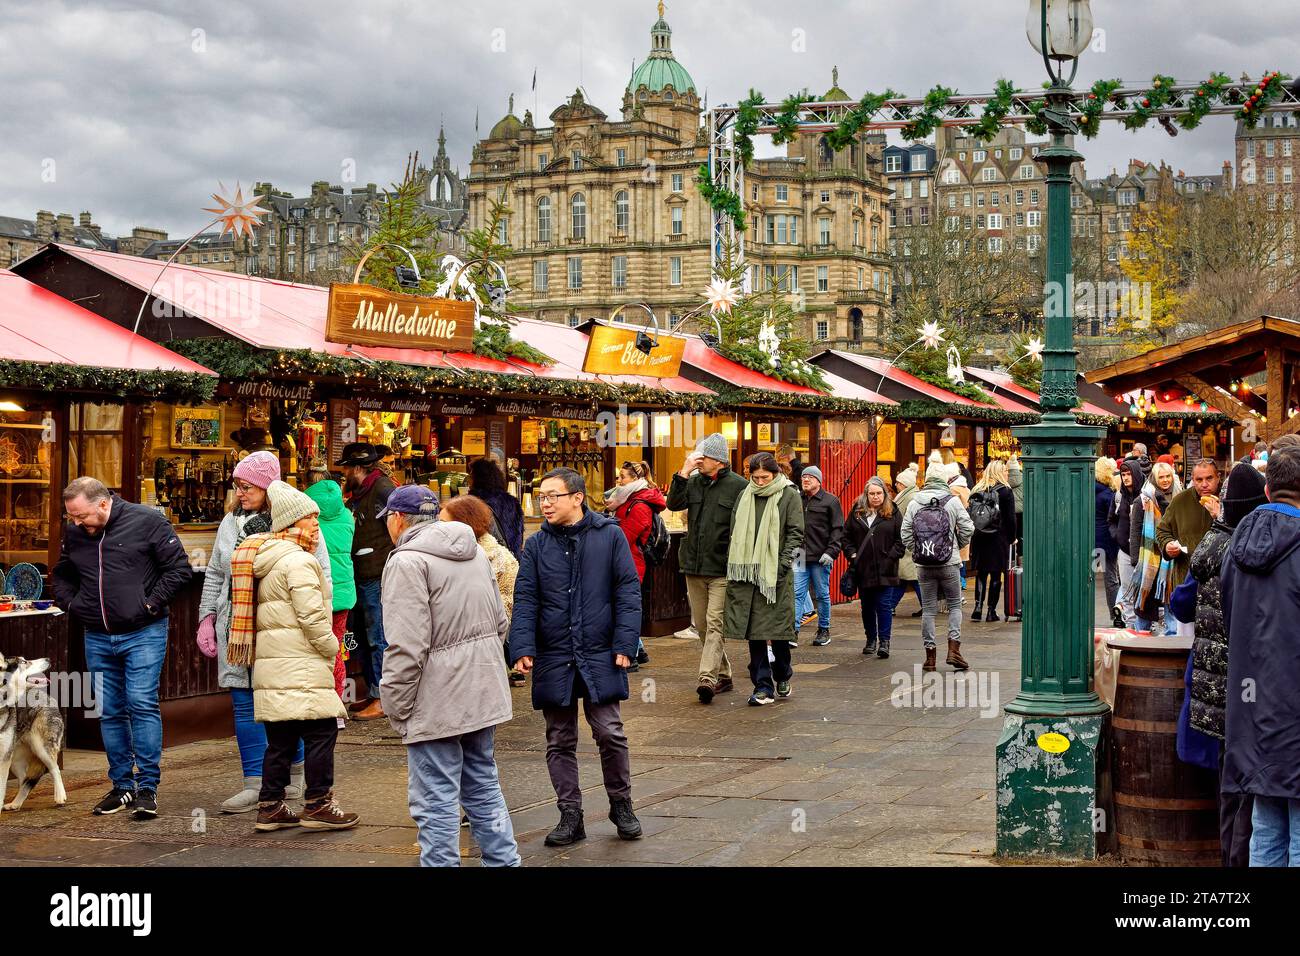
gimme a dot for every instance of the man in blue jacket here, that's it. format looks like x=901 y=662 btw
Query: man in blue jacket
x=1261 y=604
x=119 y=568
x=576 y=624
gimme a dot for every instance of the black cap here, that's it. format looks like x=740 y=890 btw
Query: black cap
x=358 y=453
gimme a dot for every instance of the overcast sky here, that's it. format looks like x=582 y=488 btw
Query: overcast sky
x=134 y=111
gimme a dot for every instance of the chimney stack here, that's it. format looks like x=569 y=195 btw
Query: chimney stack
x=66 y=229
x=44 y=225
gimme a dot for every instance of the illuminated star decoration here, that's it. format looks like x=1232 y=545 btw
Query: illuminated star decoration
x=931 y=335
x=721 y=296
x=237 y=216
x=1035 y=349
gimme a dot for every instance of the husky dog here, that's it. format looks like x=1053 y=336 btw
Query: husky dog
x=31 y=729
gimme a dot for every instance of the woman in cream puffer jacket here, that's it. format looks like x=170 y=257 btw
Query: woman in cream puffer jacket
x=293 y=673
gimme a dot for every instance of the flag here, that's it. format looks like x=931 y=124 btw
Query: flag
x=534 y=79
x=476 y=121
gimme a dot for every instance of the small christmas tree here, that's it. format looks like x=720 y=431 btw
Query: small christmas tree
x=761 y=331
x=402 y=222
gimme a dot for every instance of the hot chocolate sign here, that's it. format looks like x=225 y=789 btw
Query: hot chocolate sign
x=367 y=315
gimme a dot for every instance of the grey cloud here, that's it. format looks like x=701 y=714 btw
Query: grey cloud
x=142 y=127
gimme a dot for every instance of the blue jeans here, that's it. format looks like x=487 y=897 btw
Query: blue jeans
x=1275 y=839
x=445 y=775
x=1171 y=624
x=878 y=611
x=816 y=586
x=250 y=735
x=130 y=719
x=368 y=596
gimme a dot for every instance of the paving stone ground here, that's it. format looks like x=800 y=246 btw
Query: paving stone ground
x=836 y=775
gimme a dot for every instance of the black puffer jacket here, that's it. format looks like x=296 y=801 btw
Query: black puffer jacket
x=874 y=550
x=1210 y=650
x=124 y=577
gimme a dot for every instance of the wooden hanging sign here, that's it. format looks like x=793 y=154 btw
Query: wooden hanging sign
x=361 y=314
x=613 y=351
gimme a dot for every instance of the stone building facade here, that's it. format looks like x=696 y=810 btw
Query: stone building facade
x=602 y=213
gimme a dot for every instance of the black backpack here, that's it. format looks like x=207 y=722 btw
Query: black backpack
x=932 y=533
x=984 y=512
x=657 y=541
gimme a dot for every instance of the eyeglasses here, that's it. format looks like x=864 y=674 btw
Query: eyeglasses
x=547 y=499
x=243 y=486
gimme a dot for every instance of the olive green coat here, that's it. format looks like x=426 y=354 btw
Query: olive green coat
x=747 y=616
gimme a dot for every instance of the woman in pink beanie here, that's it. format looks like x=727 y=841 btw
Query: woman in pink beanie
x=252 y=515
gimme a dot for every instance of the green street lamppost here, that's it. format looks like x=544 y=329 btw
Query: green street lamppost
x=1052 y=756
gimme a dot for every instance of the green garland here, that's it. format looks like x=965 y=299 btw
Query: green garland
x=730 y=396
x=1206 y=95
x=493 y=340
x=843 y=134
x=920 y=127
x=1155 y=99
x=791 y=370
x=722 y=200
x=995 y=110
x=1094 y=105
x=787 y=121
x=181 y=388
x=1268 y=90
x=748 y=119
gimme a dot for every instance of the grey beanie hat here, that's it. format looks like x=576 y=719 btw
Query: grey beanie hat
x=714 y=446
x=815 y=472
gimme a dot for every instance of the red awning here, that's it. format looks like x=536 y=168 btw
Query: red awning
x=710 y=362
x=39 y=326
x=273 y=314
x=895 y=374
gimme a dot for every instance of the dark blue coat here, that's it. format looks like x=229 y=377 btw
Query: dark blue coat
x=1261 y=604
x=577 y=604
x=1103 y=505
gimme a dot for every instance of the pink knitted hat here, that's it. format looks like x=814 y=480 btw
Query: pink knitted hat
x=259 y=469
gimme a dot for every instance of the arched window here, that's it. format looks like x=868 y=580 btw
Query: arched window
x=578 y=213
x=824 y=151
x=668 y=96
x=620 y=212
x=544 y=219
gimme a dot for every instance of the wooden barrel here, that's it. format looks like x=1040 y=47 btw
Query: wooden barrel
x=1166 y=811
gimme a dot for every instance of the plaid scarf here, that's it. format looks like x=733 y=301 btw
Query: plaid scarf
x=241 y=648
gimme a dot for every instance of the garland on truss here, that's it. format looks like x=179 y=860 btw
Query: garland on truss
x=922 y=121
x=181 y=388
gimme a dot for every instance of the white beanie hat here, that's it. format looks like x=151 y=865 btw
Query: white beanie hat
x=907 y=477
x=936 y=468
x=288 y=505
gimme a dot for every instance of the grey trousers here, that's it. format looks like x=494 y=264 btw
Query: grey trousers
x=942 y=582
x=606 y=722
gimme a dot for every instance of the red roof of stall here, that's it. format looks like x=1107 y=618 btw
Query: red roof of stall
x=733 y=373
x=896 y=374
x=40 y=326
x=274 y=314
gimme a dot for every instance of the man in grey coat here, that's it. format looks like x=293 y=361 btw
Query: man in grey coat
x=444 y=689
x=940 y=581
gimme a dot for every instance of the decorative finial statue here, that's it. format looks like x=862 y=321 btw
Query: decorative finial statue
x=661 y=9
x=512 y=104
x=835 y=77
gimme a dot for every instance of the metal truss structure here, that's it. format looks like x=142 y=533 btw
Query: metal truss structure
x=728 y=172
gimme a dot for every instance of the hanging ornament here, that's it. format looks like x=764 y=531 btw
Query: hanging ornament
x=931 y=335
x=238 y=215
x=1035 y=349
x=721 y=296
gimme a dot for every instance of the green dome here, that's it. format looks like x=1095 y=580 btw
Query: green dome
x=659 y=72
x=661 y=68
x=509 y=125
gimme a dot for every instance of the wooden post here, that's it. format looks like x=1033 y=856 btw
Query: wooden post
x=1277 y=395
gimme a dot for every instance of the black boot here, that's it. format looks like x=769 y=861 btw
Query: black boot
x=995 y=591
x=883 y=650
x=624 y=820
x=870 y=647
x=979 y=598
x=569 y=830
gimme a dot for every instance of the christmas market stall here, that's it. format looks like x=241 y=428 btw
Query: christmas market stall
x=74 y=392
